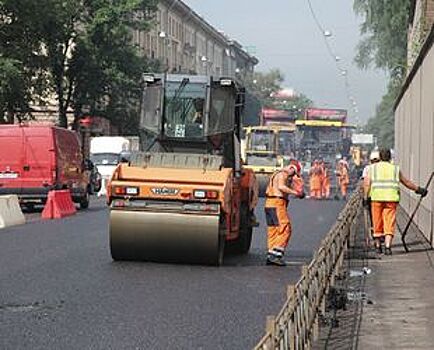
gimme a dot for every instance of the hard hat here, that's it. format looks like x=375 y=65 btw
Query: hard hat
x=375 y=155
x=296 y=166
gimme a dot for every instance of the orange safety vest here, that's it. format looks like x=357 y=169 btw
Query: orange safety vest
x=273 y=189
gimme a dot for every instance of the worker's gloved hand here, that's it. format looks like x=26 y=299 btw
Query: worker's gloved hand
x=366 y=202
x=301 y=195
x=422 y=191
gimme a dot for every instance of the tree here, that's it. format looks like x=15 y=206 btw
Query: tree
x=79 y=50
x=384 y=46
x=264 y=85
x=13 y=91
x=91 y=55
x=384 y=31
x=23 y=78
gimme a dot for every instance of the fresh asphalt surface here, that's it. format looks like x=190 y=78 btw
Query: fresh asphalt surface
x=60 y=289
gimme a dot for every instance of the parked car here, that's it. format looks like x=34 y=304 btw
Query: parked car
x=37 y=159
x=95 y=178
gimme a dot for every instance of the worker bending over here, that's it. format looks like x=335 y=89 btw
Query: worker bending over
x=282 y=184
x=382 y=185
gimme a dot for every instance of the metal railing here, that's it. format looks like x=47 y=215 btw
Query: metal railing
x=296 y=326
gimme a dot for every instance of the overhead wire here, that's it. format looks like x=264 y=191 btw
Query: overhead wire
x=337 y=60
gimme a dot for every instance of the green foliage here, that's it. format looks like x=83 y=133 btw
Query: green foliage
x=81 y=50
x=265 y=85
x=382 y=125
x=13 y=92
x=384 y=46
x=384 y=28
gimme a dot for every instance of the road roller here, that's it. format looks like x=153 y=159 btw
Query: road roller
x=268 y=149
x=185 y=197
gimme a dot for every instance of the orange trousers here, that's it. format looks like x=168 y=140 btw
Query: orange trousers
x=326 y=188
x=383 y=218
x=279 y=224
x=344 y=189
x=315 y=186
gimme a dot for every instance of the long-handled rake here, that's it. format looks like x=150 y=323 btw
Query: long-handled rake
x=404 y=233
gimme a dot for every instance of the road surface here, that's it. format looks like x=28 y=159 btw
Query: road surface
x=59 y=288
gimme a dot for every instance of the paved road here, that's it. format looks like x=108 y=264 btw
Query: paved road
x=59 y=288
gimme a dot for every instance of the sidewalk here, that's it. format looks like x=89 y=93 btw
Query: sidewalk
x=392 y=307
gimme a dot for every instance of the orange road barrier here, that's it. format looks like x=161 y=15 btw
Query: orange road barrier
x=59 y=205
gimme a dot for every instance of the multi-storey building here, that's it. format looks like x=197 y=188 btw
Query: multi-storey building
x=184 y=42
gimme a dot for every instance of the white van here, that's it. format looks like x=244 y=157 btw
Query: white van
x=106 y=152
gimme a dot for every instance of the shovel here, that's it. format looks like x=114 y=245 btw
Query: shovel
x=404 y=233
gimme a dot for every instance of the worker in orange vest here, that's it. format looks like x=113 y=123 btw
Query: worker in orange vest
x=279 y=229
x=325 y=181
x=315 y=180
x=343 y=178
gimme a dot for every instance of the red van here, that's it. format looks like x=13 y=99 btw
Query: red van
x=37 y=159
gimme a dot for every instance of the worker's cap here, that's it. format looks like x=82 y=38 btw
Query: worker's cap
x=375 y=155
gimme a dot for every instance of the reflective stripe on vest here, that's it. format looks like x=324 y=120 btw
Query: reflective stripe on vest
x=384 y=182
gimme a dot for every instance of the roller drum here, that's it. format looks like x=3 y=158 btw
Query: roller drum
x=166 y=237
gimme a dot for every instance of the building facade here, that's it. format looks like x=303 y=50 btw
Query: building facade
x=185 y=43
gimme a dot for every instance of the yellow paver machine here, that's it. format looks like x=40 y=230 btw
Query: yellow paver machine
x=268 y=149
x=185 y=196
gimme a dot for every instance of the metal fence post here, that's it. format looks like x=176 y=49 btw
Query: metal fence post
x=298 y=323
x=270 y=327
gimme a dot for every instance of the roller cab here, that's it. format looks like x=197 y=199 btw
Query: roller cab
x=184 y=198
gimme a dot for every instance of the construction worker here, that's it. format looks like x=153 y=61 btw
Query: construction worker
x=315 y=180
x=373 y=158
x=279 y=224
x=382 y=185
x=325 y=181
x=343 y=178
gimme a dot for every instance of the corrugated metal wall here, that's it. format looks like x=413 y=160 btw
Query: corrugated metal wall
x=414 y=135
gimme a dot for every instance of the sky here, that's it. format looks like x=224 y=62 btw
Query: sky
x=284 y=35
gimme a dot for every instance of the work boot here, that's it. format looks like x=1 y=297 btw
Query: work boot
x=275 y=261
x=388 y=251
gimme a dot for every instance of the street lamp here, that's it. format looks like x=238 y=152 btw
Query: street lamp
x=204 y=61
x=327 y=33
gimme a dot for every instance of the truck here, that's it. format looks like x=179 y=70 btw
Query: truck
x=323 y=135
x=37 y=159
x=185 y=197
x=268 y=149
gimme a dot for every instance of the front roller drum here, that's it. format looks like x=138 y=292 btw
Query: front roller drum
x=166 y=237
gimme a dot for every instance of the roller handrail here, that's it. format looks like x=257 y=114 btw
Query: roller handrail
x=296 y=325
